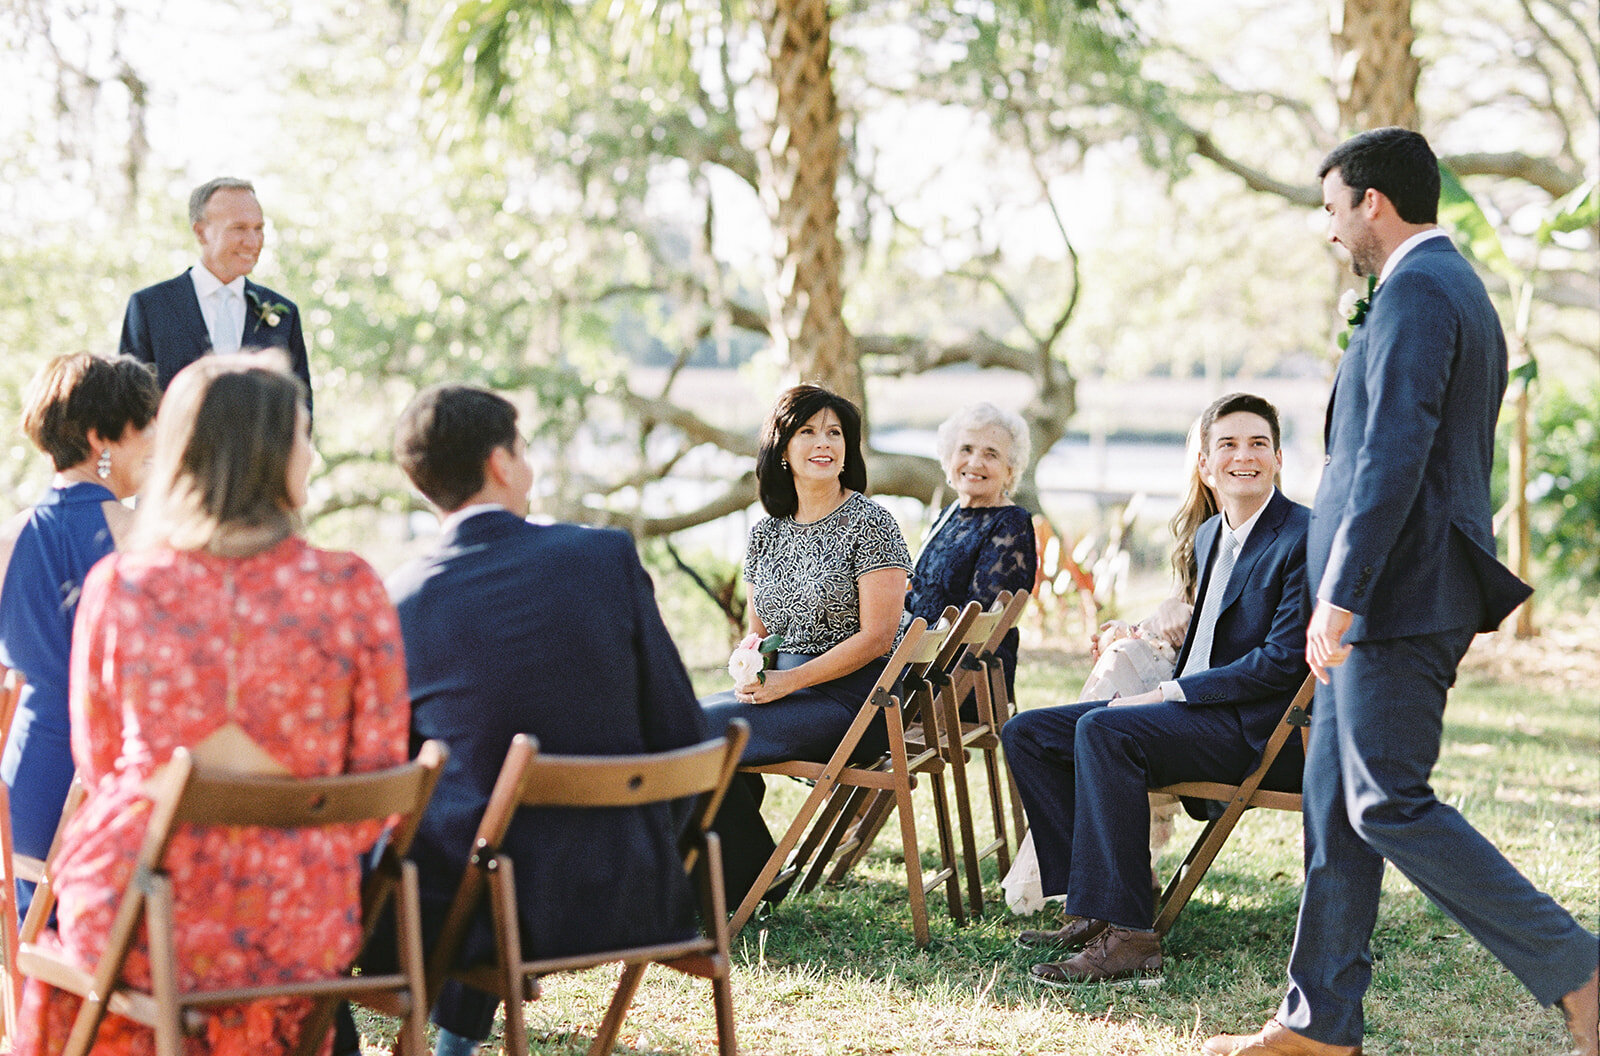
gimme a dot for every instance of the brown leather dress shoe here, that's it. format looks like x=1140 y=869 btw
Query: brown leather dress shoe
x=1075 y=934
x=1275 y=1039
x=1582 y=1011
x=1118 y=954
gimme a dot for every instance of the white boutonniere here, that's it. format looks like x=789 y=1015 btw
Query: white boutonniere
x=752 y=657
x=1354 y=309
x=270 y=313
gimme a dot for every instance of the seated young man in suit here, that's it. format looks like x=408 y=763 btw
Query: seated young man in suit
x=1082 y=769
x=513 y=627
x=213 y=307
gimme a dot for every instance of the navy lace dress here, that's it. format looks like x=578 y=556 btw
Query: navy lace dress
x=972 y=555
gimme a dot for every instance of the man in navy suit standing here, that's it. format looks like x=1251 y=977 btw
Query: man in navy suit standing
x=213 y=307
x=548 y=629
x=1083 y=769
x=1402 y=567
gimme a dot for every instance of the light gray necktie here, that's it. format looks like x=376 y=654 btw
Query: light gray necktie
x=230 y=321
x=1200 y=651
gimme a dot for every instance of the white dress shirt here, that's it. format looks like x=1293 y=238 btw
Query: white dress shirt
x=222 y=305
x=1170 y=690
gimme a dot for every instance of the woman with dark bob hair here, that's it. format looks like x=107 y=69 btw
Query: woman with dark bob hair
x=221 y=631
x=827 y=572
x=91 y=416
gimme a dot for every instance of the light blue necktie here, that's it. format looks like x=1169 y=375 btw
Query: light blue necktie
x=1200 y=652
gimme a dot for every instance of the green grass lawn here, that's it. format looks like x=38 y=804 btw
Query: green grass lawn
x=836 y=971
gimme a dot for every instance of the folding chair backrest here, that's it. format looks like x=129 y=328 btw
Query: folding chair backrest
x=529 y=779
x=183 y=792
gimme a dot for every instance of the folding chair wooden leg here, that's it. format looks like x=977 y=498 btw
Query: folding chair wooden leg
x=908 y=835
x=956 y=754
x=1195 y=863
x=408 y=909
x=606 y=1038
x=503 y=899
x=163 y=964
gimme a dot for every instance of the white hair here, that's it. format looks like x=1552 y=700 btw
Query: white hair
x=977 y=416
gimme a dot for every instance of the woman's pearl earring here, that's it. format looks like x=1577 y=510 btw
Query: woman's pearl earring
x=103 y=467
x=784 y=462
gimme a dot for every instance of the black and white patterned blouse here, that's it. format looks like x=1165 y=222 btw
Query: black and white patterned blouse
x=803 y=576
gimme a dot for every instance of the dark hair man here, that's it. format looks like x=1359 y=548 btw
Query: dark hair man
x=1402 y=568
x=1083 y=769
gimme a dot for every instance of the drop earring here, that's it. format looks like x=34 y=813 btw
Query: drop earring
x=785 y=462
x=103 y=467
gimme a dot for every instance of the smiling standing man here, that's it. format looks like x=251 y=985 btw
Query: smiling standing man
x=1403 y=571
x=1083 y=769
x=213 y=307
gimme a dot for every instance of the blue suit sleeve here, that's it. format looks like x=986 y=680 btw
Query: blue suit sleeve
x=135 y=340
x=669 y=714
x=298 y=360
x=1409 y=359
x=1276 y=666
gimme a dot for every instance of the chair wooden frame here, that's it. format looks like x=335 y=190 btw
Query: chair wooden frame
x=528 y=779
x=968 y=664
x=1239 y=798
x=11 y=869
x=855 y=813
x=187 y=794
x=894 y=773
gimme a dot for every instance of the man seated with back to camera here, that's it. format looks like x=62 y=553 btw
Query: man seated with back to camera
x=547 y=629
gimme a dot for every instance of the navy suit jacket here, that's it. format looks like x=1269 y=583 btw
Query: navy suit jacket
x=163 y=327
x=550 y=630
x=1401 y=532
x=1259 y=645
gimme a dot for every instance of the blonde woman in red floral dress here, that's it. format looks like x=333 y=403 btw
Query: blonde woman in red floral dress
x=222 y=631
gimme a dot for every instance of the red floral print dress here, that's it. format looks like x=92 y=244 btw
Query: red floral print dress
x=311 y=645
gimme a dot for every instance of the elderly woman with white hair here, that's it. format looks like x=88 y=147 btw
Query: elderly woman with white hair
x=982 y=543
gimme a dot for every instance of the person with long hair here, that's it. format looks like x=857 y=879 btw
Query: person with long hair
x=222 y=631
x=827 y=573
x=92 y=416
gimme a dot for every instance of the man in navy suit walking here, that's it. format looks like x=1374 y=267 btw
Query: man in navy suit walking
x=1402 y=568
x=213 y=307
x=1083 y=769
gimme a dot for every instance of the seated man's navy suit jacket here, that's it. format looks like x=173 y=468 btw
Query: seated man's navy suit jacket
x=163 y=327
x=1258 y=647
x=551 y=630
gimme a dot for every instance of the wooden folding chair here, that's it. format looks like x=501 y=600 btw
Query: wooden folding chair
x=856 y=812
x=1239 y=798
x=969 y=667
x=189 y=795
x=894 y=773
x=528 y=779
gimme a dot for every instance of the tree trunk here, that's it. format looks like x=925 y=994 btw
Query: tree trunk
x=1376 y=75
x=799 y=177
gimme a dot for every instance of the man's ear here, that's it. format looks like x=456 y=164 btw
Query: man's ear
x=1373 y=203
x=498 y=469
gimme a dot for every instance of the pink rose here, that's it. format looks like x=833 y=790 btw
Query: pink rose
x=746 y=663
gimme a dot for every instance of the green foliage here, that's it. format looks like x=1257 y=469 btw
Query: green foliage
x=1563 y=486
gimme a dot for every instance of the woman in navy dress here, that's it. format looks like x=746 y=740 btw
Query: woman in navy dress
x=982 y=543
x=827 y=571
x=92 y=416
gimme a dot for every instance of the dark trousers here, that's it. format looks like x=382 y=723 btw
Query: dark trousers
x=1375 y=736
x=805 y=725
x=1083 y=771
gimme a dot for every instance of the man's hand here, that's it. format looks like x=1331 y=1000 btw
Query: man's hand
x=1151 y=697
x=1323 y=649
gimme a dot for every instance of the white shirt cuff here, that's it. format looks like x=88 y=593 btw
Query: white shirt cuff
x=1172 y=692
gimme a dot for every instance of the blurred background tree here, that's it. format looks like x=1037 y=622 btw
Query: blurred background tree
x=1053 y=206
